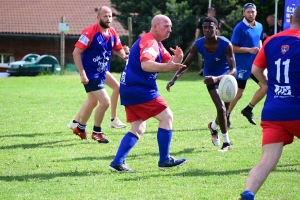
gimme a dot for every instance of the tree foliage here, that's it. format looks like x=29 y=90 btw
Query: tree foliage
x=185 y=15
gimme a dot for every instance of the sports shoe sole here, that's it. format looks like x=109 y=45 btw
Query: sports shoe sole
x=114 y=170
x=111 y=126
x=167 y=168
x=228 y=148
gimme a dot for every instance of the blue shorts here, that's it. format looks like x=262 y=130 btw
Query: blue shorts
x=94 y=85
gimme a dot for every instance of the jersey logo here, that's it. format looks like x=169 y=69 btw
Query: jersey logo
x=84 y=40
x=284 y=49
x=151 y=51
x=282 y=91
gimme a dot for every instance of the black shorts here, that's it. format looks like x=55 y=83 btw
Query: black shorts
x=242 y=83
x=94 y=85
x=212 y=86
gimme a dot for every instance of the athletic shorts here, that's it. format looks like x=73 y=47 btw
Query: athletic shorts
x=280 y=131
x=146 y=110
x=94 y=85
x=212 y=86
x=242 y=83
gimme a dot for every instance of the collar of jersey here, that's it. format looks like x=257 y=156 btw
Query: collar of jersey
x=247 y=23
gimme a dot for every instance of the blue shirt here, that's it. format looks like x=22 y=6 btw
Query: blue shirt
x=215 y=63
x=136 y=85
x=246 y=36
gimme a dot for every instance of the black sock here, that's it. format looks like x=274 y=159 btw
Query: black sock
x=81 y=127
x=249 y=107
x=97 y=129
x=112 y=119
x=74 y=121
x=228 y=116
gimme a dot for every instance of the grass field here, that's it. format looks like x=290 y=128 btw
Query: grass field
x=40 y=158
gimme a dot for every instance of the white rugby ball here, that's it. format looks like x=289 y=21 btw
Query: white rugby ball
x=227 y=88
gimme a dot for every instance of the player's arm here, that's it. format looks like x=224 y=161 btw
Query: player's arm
x=260 y=74
x=152 y=66
x=230 y=60
x=238 y=49
x=121 y=53
x=188 y=60
x=77 y=53
x=197 y=33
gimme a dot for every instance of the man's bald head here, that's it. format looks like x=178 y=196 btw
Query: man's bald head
x=159 y=18
x=103 y=9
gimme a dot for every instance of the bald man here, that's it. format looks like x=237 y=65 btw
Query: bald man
x=92 y=56
x=271 y=23
x=139 y=93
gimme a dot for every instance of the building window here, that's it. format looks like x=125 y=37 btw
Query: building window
x=5 y=59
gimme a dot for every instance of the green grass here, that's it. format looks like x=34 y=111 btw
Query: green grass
x=41 y=159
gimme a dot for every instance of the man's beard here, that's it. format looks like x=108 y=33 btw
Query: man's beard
x=103 y=24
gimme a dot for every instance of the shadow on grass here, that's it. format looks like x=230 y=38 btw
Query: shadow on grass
x=133 y=156
x=28 y=135
x=38 y=145
x=203 y=172
x=48 y=176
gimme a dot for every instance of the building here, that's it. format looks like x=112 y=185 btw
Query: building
x=31 y=26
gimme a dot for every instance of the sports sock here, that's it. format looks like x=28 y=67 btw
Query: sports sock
x=74 y=121
x=214 y=125
x=127 y=143
x=225 y=137
x=97 y=129
x=81 y=127
x=112 y=119
x=164 y=138
x=249 y=107
x=228 y=116
x=248 y=195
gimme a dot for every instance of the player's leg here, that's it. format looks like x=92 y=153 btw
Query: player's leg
x=115 y=86
x=104 y=101
x=257 y=97
x=259 y=173
x=241 y=87
x=164 y=137
x=138 y=127
x=275 y=136
x=221 y=117
x=91 y=102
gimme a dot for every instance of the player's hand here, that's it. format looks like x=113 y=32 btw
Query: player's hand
x=126 y=49
x=208 y=80
x=254 y=50
x=177 y=52
x=170 y=84
x=172 y=66
x=84 y=79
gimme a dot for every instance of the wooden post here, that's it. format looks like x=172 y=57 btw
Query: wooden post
x=62 y=47
x=130 y=32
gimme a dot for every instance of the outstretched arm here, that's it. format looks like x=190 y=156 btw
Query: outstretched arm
x=189 y=59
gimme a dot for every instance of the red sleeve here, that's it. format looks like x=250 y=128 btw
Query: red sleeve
x=85 y=38
x=261 y=60
x=118 y=44
x=148 y=48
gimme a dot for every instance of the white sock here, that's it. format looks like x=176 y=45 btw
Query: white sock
x=214 y=125
x=225 y=137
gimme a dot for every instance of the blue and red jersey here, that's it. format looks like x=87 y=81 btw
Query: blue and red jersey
x=97 y=50
x=280 y=55
x=215 y=63
x=136 y=85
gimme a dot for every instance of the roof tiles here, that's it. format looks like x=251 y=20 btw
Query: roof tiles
x=43 y=16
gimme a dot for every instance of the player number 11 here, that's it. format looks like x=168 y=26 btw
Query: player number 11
x=286 y=70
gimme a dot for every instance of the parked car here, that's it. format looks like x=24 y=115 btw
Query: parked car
x=34 y=64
